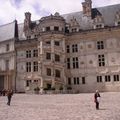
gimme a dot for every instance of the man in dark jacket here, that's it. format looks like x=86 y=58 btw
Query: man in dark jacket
x=9 y=96
x=97 y=99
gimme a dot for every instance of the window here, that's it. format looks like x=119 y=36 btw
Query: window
x=56 y=28
x=68 y=49
x=57 y=73
x=35 y=81
x=35 y=53
x=107 y=78
x=35 y=36
x=48 y=42
x=28 y=37
x=28 y=67
x=119 y=23
x=75 y=48
x=83 y=80
x=47 y=28
x=74 y=29
x=99 y=26
x=48 y=71
x=116 y=77
x=7 y=64
x=28 y=82
x=75 y=63
x=69 y=81
x=48 y=56
x=35 y=66
x=99 y=79
x=68 y=63
x=76 y=80
x=28 y=54
x=100 y=45
x=57 y=43
x=7 y=47
x=101 y=60
x=57 y=58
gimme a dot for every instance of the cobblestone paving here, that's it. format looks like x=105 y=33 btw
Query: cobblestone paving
x=60 y=107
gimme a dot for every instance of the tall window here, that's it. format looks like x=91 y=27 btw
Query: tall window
x=74 y=48
x=107 y=78
x=57 y=43
x=100 y=45
x=35 y=66
x=48 y=56
x=7 y=64
x=116 y=77
x=35 y=53
x=83 y=80
x=28 y=67
x=28 y=82
x=75 y=63
x=68 y=63
x=69 y=81
x=57 y=73
x=47 y=28
x=48 y=71
x=28 y=54
x=57 y=58
x=99 y=79
x=101 y=60
x=76 y=80
x=7 y=47
x=56 y=28
x=68 y=48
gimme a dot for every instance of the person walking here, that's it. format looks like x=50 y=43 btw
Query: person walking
x=9 y=96
x=97 y=99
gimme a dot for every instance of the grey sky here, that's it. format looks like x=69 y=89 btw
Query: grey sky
x=15 y=9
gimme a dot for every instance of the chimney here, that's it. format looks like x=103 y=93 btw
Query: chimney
x=87 y=8
x=27 y=21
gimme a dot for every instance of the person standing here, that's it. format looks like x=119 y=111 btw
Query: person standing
x=97 y=99
x=9 y=96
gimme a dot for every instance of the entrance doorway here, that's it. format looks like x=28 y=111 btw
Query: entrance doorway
x=1 y=82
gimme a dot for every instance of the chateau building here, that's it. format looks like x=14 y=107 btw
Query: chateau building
x=80 y=50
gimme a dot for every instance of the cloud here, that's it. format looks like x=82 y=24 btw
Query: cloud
x=15 y=9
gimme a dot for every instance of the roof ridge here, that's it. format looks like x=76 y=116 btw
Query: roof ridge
x=7 y=24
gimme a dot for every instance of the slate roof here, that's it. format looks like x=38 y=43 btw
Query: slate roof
x=86 y=23
x=108 y=12
x=7 y=31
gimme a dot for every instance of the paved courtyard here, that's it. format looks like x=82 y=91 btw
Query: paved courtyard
x=60 y=107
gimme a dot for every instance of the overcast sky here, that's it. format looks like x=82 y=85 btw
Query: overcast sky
x=15 y=9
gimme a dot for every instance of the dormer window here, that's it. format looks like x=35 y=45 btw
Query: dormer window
x=98 y=22
x=28 y=37
x=74 y=25
x=117 y=18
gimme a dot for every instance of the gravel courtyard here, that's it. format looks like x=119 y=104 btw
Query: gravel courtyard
x=60 y=107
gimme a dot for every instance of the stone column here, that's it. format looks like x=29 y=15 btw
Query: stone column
x=41 y=85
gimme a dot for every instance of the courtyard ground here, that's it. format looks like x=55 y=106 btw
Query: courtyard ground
x=60 y=107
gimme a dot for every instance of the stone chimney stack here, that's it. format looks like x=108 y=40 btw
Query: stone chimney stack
x=27 y=21
x=87 y=8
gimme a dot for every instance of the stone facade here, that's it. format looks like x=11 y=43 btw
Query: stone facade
x=78 y=50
